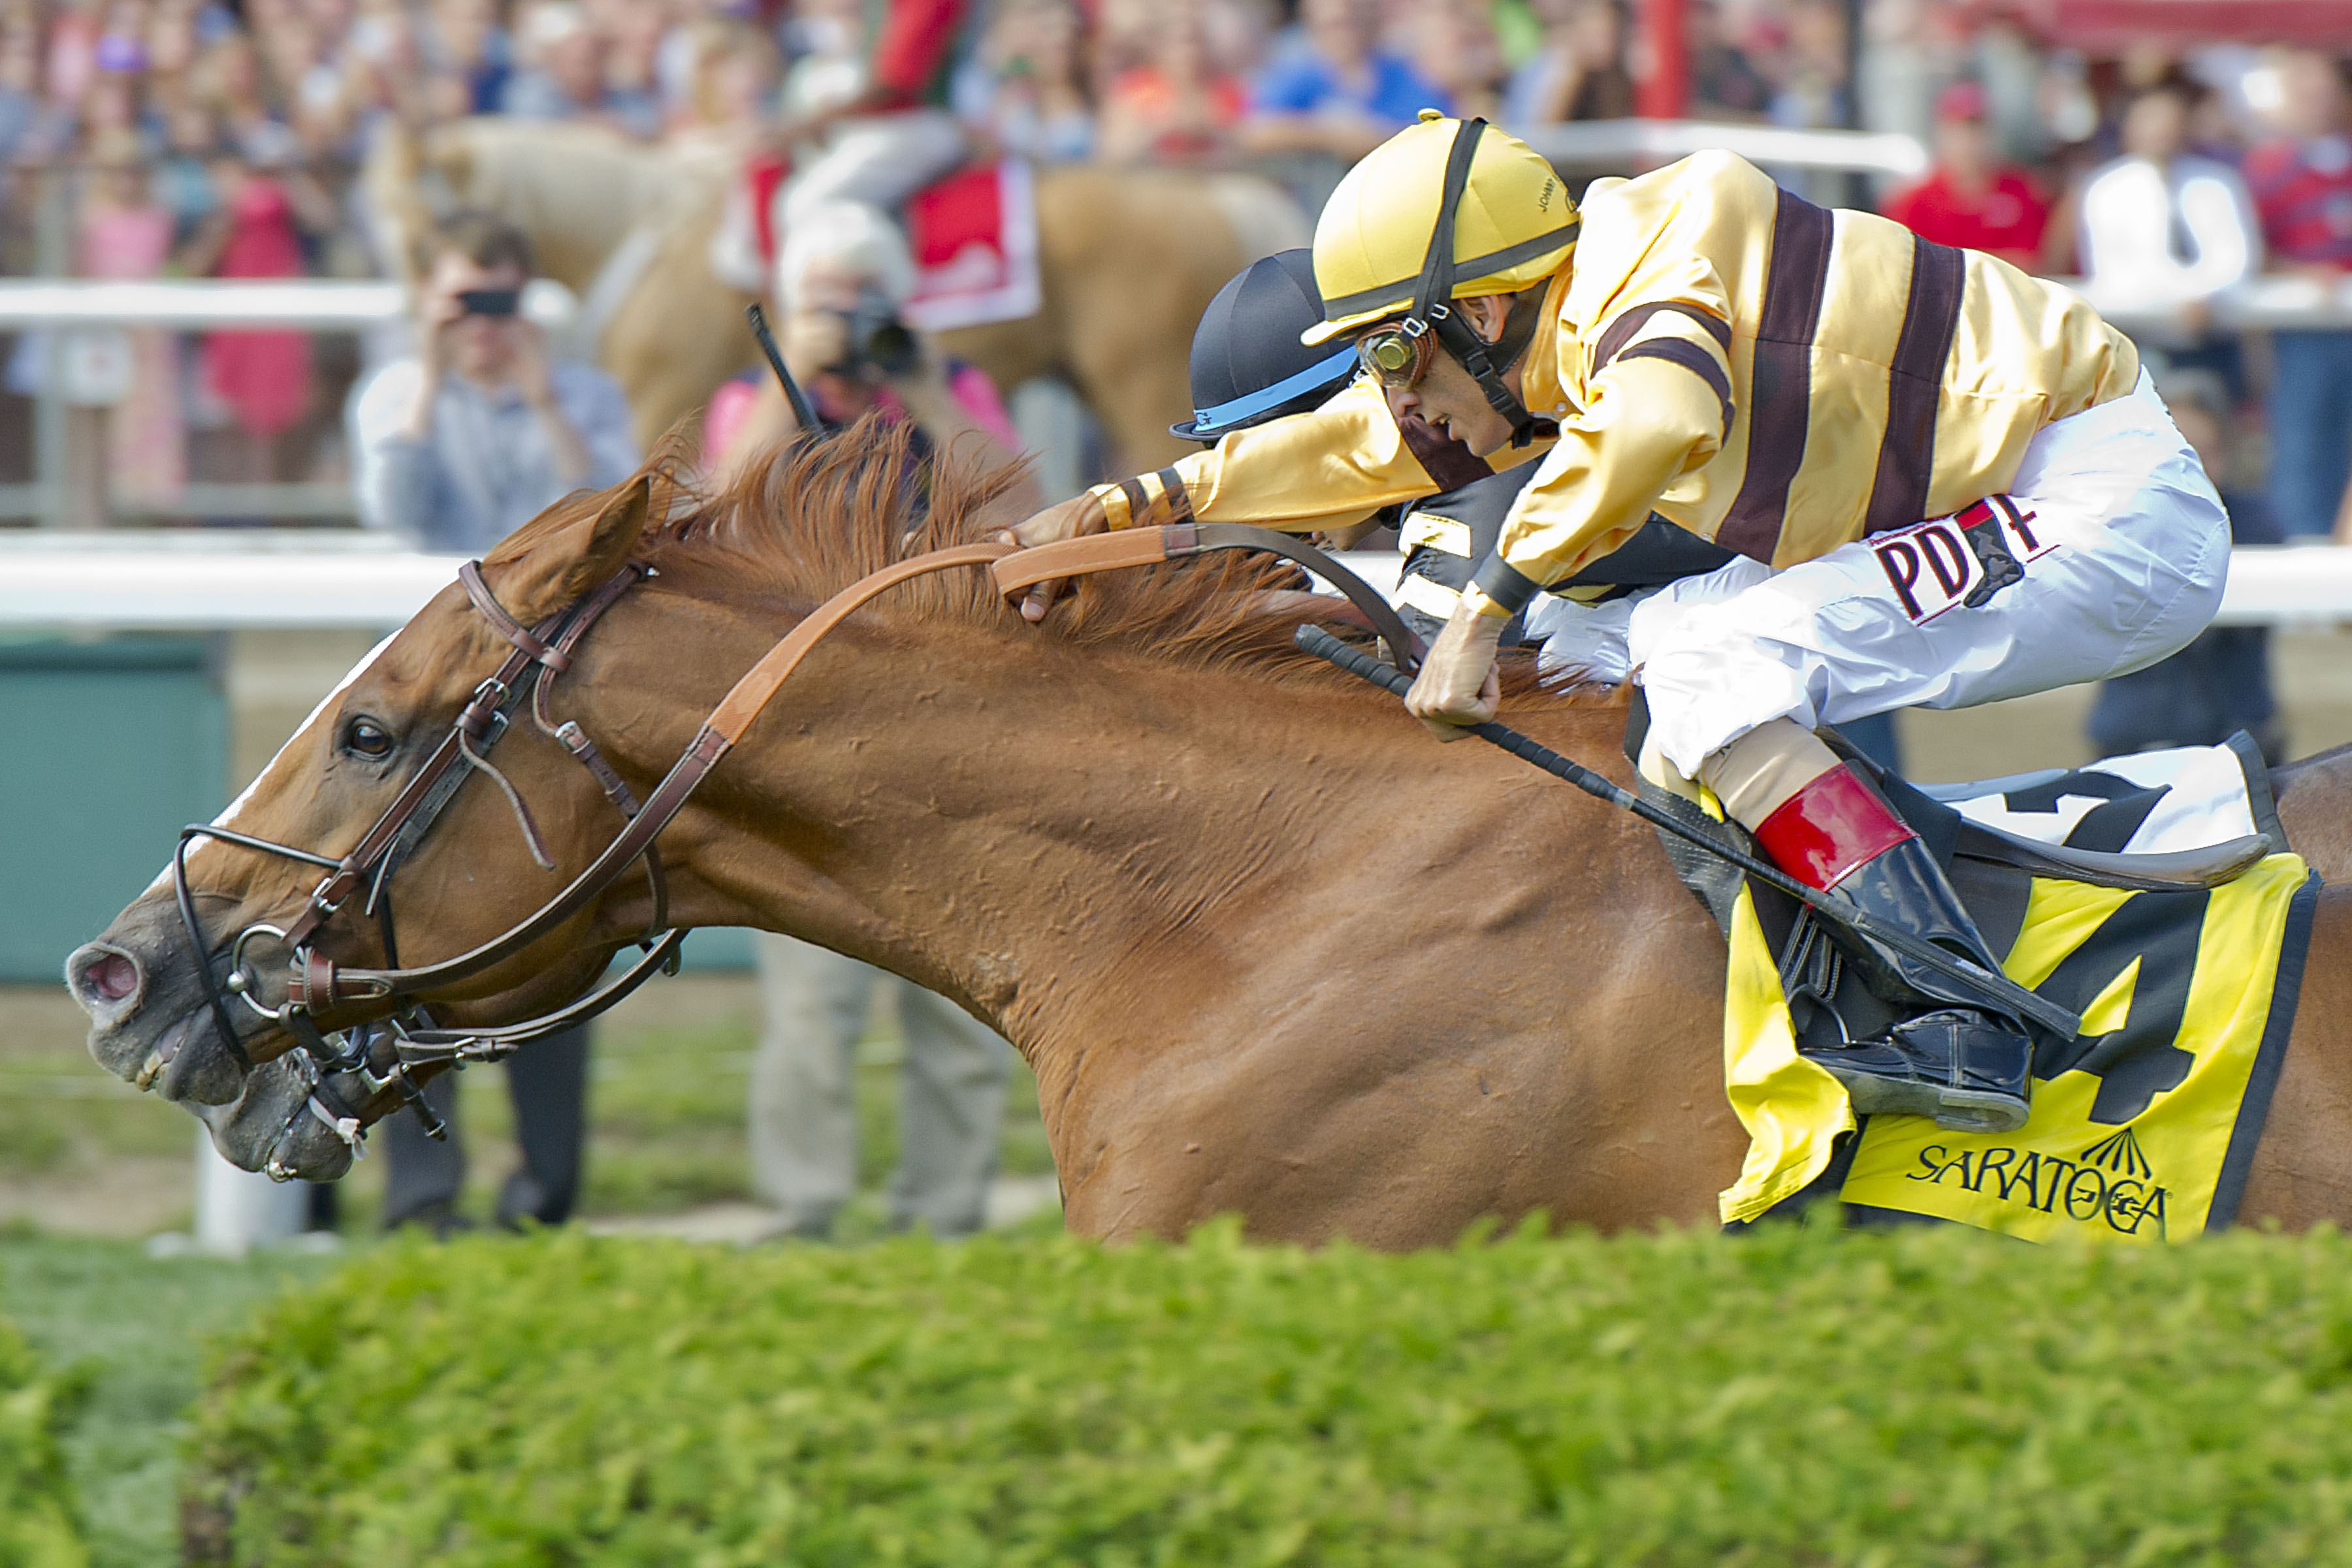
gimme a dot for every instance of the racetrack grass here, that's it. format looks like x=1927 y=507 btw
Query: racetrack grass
x=1793 y=1396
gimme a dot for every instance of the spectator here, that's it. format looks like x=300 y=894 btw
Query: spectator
x=464 y=41
x=456 y=447
x=482 y=429
x=1455 y=41
x=1330 y=88
x=2303 y=186
x=228 y=81
x=1723 y=81
x=1579 y=72
x=1038 y=106
x=853 y=359
x=263 y=377
x=2162 y=225
x=2220 y=682
x=1811 y=91
x=733 y=77
x=633 y=38
x=1177 y=108
x=183 y=178
x=844 y=342
x=803 y=1109
x=1970 y=198
x=126 y=233
x=564 y=72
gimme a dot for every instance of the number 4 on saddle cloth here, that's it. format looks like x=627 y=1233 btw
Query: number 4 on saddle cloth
x=2153 y=895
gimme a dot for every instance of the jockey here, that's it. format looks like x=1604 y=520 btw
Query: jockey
x=1250 y=368
x=1944 y=483
x=889 y=138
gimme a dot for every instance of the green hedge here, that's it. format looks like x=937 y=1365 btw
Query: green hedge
x=1789 y=1397
x=37 y=1520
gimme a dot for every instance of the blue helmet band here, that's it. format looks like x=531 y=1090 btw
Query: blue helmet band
x=1280 y=392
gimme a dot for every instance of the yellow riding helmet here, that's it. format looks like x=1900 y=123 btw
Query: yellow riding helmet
x=1514 y=226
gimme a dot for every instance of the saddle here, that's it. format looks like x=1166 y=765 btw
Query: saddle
x=1991 y=867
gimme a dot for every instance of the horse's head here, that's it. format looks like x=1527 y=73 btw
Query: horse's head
x=187 y=990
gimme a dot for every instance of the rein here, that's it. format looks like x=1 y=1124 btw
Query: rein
x=325 y=999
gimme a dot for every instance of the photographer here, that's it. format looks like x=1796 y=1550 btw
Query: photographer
x=481 y=429
x=846 y=346
x=455 y=448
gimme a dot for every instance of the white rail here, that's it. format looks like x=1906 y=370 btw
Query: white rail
x=1629 y=141
x=308 y=304
x=62 y=305
x=251 y=580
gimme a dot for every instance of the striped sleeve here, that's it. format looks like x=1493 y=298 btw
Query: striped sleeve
x=1656 y=405
x=1335 y=465
x=1691 y=335
x=1652 y=419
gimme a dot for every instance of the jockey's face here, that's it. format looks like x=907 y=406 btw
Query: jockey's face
x=1449 y=399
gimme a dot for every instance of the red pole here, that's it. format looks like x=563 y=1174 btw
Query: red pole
x=1665 y=90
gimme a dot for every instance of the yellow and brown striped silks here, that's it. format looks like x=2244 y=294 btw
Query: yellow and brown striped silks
x=1858 y=379
x=1780 y=377
x=1775 y=377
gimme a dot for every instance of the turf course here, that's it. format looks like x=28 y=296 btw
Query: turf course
x=1790 y=1396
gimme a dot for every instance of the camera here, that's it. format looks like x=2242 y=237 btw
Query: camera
x=491 y=301
x=877 y=339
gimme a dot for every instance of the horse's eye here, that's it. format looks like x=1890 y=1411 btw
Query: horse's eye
x=365 y=738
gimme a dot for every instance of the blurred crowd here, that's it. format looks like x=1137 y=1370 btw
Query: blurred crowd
x=145 y=138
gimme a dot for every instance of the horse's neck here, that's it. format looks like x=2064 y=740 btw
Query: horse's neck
x=1057 y=838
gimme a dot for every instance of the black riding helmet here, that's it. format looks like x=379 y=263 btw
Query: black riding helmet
x=1248 y=365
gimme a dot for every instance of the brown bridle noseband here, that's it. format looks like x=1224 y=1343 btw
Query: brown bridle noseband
x=332 y=1010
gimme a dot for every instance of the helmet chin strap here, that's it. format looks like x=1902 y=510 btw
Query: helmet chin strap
x=1433 y=307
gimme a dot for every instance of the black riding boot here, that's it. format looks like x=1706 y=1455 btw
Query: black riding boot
x=1954 y=1057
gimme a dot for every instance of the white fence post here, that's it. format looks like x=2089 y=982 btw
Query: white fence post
x=238 y=1211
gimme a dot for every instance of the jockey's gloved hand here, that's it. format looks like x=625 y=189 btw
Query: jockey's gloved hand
x=1072 y=518
x=1457 y=685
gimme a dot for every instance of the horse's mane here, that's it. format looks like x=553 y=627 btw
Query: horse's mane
x=810 y=518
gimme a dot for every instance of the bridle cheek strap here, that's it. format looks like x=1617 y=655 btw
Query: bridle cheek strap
x=506 y=625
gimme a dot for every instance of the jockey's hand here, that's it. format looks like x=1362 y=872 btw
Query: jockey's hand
x=1457 y=685
x=1078 y=515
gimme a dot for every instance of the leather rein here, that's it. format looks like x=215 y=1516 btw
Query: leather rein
x=329 y=1008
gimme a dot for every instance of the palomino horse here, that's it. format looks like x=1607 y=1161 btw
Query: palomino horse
x=628 y=228
x=1268 y=947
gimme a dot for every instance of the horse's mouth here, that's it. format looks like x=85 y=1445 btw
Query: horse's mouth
x=177 y=1056
x=151 y=1019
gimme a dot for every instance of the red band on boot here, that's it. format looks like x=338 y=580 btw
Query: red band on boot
x=1828 y=828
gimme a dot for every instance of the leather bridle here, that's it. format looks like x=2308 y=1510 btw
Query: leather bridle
x=369 y=1022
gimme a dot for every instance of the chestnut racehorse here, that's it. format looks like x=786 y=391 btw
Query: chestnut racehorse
x=1268 y=947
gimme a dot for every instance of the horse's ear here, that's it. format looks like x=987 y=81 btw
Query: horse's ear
x=574 y=559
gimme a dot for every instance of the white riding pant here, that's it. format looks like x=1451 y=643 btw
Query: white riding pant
x=877 y=160
x=2125 y=547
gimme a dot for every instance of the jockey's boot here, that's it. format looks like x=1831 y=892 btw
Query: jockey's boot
x=1956 y=1057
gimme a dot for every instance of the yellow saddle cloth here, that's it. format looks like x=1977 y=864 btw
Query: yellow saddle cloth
x=2141 y=1128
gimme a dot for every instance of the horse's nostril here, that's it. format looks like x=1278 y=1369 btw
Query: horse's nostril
x=112 y=978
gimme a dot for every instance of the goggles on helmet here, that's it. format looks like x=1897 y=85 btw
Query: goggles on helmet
x=1398 y=354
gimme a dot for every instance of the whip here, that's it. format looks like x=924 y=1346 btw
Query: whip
x=802 y=411
x=1996 y=989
